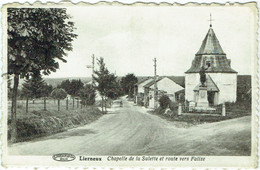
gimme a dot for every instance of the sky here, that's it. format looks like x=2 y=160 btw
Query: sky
x=128 y=38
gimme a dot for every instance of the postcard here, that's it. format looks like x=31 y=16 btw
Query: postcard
x=137 y=85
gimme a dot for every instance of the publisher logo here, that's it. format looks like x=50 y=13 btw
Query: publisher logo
x=64 y=157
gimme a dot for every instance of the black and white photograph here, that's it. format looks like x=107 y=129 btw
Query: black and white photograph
x=135 y=85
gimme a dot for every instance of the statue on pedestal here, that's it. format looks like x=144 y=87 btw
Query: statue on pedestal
x=203 y=76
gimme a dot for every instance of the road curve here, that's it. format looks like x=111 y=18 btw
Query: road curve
x=129 y=130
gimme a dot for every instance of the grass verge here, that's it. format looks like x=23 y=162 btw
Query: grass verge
x=38 y=123
x=233 y=110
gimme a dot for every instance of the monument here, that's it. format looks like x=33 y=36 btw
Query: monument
x=202 y=102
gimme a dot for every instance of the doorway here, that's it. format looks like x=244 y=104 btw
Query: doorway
x=211 y=97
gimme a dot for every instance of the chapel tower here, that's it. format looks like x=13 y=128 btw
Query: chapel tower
x=221 y=79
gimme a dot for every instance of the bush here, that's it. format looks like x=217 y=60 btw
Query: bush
x=164 y=101
x=173 y=105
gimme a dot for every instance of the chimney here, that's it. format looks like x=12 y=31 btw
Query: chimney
x=229 y=62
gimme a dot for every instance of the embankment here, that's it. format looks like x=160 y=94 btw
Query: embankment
x=44 y=123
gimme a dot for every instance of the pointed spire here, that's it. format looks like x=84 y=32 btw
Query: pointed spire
x=210 y=44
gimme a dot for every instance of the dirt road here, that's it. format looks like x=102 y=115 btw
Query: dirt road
x=129 y=130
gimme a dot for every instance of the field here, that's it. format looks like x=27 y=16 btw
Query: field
x=38 y=105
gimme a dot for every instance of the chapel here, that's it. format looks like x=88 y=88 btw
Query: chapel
x=221 y=79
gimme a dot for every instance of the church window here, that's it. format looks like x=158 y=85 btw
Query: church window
x=208 y=62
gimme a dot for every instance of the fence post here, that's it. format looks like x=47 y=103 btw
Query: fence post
x=77 y=103
x=44 y=101
x=179 y=109
x=73 y=102
x=58 y=104
x=26 y=107
x=223 y=109
x=67 y=103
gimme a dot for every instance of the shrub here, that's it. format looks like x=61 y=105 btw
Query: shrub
x=164 y=101
x=173 y=105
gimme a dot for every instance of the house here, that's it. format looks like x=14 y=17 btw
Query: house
x=165 y=86
x=139 y=89
x=68 y=97
x=221 y=79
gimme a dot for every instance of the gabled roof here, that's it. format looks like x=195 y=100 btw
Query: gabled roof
x=142 y=80
x=211 y=86
x=152 y=82
x=180 y=91
x=178 y=80
x=210 y=44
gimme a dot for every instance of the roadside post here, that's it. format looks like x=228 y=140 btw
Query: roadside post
x=179 y=109
x=223 y=109
x=67 y=103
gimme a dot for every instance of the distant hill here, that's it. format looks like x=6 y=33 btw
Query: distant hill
x=56 y=81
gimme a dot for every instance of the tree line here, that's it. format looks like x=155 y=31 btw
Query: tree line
x=107 y=84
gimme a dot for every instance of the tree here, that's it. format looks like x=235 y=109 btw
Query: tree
x=66 y=86
x=33 y=87
x=75 y=86
x=59 y=94
x=10 y=88
x=164 y=101
x=37 y=37
x=105 y=81
x=87 y=95
x=72 y=87
x=113 y=88
x=46 y=90
x=128 y=83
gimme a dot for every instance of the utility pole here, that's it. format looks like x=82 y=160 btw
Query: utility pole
x=155 y=83
x=93 y=67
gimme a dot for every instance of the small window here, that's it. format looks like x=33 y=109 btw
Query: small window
x=208 y=63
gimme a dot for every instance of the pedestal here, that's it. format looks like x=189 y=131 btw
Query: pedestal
x=203 y=98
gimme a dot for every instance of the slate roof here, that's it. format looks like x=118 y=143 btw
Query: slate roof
x=210 y=44
x=211 y=86
x=212 y=51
